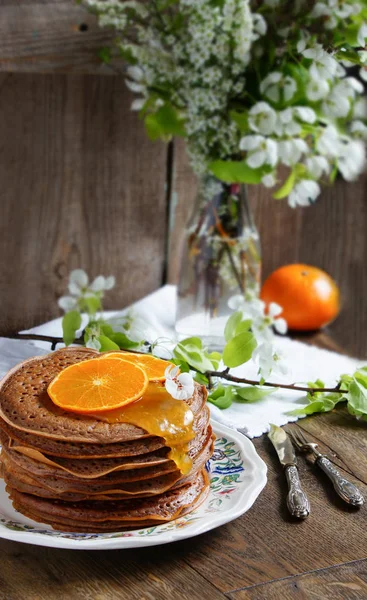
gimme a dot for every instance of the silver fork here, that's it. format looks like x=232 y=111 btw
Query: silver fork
x=344 y=488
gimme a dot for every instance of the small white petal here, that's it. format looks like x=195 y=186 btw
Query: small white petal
x=77 y=281
x=93 y=343
x=67 y=303
x=109 y=282
x=236 y=302
x=274 y=309
x=281 y=326
x=256 y=159
x=98 y=285
x=137 y=104
x=268 y=180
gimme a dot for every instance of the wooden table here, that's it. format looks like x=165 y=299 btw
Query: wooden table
x=261 y=555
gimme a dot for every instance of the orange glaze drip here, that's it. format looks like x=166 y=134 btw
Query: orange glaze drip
x=159 y=414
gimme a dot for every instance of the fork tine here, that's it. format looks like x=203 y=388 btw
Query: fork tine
x=301 y=436
x=294 y=437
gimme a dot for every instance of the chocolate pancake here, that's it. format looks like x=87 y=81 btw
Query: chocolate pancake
x=64 y=524
x=162 y=507
x=26 y=406
x=101 y=470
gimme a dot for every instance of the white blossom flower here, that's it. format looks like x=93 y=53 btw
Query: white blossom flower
x=268 y=180
x=362 y=35
x=275 y=84
x=358 y=129
x=262 y=118
x=317 y=165
x=270 y=361
x=363 y=73
x=329 y=141
x=324 y=65
x=260 y=26
x=304 y=193
x=352 y=159
x=290 y=151
x=317 y=89
x=303 y=41
x=80 y=289
x=260 y=150
x=181 y=386
x=137 y=104
x=136 y=73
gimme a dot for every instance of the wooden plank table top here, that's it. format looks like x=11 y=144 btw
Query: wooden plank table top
x=261 y=555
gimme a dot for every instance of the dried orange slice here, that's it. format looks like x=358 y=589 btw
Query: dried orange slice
x=153 y=366
x=96 y=385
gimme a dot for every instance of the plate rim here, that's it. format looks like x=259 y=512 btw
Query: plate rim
x=242 y=505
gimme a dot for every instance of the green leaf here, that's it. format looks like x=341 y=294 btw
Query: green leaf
x=105 y=54
x=215 y=358
x=192 y=341
x=91 y=304
x=357 y=399
x=184 y=367
x=201 y=379
x=230 y=328
x=241 y=120
x=287 y=187
x=107 y=344
x=106 y=329
x=222 y=396
x=323 y=403
x=243 y=326
x=164 y=123
x=239 y=350
x=317 y=406
x=71 y=322
x=193 y=356
x=122 y=341
x=237 y=171
x=253 y=393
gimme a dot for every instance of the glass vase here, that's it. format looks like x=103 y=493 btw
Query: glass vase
x=220 y=259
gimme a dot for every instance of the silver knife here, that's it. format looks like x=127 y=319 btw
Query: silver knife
x=297 y=501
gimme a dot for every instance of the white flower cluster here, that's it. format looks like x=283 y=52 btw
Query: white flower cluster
x=81 y=290
x=291 y=102
x=267 y=356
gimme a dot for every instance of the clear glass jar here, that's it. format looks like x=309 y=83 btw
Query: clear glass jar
x=221 y=258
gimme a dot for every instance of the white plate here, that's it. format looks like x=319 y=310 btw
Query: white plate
x=237 y=474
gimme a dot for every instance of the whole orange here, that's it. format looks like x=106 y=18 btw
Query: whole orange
x=309 y=297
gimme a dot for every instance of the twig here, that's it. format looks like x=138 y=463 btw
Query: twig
x=286 y=386
x=43 y=338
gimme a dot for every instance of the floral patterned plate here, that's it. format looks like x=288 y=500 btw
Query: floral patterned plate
x=237 y=474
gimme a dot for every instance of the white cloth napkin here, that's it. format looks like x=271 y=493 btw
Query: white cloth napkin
x=306 y=363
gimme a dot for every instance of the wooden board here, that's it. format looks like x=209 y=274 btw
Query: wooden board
x=80 y=187
x=348 y=582
x=51 y=36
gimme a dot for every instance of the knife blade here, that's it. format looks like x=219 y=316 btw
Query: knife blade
x=297 y=501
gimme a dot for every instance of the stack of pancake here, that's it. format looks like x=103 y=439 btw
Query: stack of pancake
x=78 y=473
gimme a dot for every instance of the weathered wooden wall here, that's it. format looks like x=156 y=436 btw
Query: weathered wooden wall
x=82 y=186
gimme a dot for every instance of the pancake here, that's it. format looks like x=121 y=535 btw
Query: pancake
x=65 y=449
x=68 y=525
x=80 y=473
x=26 y=406
x=165 y=507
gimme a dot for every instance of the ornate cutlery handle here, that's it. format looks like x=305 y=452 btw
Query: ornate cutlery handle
x=344 y=488
x=297 y=501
